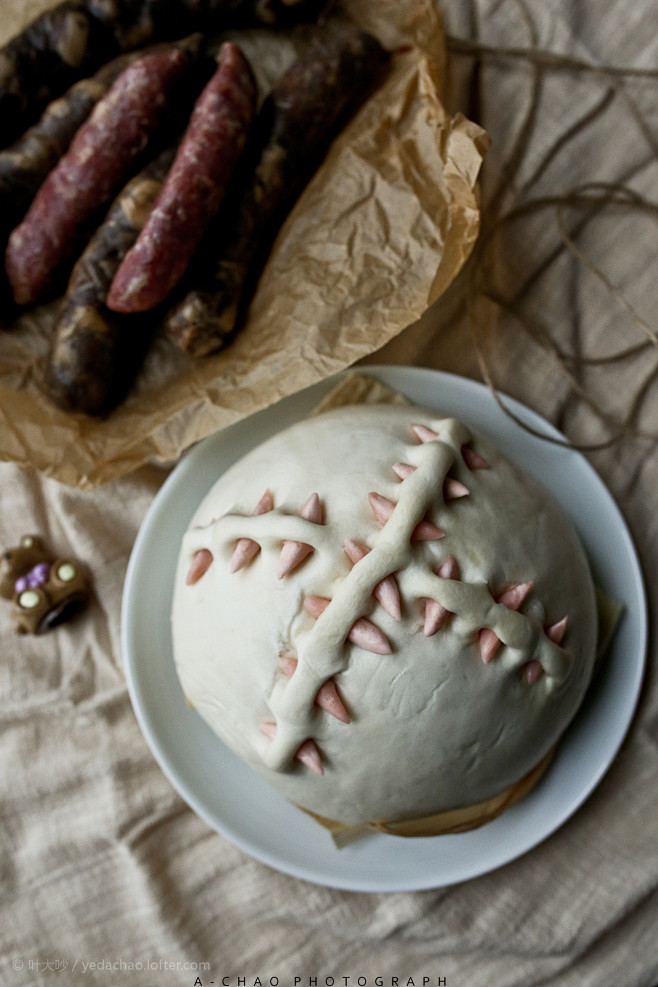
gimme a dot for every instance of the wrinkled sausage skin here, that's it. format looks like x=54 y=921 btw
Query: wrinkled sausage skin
x=305 y=110
x=90 y=173
x=193 y=190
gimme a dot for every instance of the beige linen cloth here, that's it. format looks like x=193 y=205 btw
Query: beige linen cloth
x=103 y=863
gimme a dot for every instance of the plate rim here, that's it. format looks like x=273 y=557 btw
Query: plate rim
x=399 y=377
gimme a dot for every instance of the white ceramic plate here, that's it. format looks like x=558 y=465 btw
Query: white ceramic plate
x=239 y=804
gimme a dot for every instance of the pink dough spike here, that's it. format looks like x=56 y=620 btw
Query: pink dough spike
x=201 y=562
x=246 y=548
x=532 y=671
x=264 y=505
x=436 y=613
x=363 y=632
x=287 y=665
x=513 y=598
x=293 y=553
x=328 y=699
x=327 y=696
x=453 y=489
x=424 y=434
x=426 y=531
x=386 y=591
x=382 y=507
x=489 y=644
x=473 y=459
x=309 y=755
x=448 y=568
x=368 y=636
x=555 y=632
x=312 y=509
x=403 y=470
x=315 y=605
x=307 y=752
x=354 y=550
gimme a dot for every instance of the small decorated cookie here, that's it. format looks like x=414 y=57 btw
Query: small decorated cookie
x=386 y=619
x=44 y=591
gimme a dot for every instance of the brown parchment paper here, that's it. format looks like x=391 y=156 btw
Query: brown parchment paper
x=378 y=235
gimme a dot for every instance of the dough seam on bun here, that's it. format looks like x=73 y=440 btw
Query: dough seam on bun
x=340 y=625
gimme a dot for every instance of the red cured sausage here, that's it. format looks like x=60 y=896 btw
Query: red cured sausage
x=193 y=190
x=25 y=164
x=93 y=169
x=306 y=108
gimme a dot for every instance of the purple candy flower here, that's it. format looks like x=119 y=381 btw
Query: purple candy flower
x=37 y=575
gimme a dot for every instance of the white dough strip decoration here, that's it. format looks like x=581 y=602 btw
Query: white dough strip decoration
x=323 y=652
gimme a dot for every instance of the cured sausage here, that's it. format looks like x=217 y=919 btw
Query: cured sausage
x=136 y=22
x=299 y=119
x=98 y=160
x=25 y=164
x=95 y=353
x=75 y=37
x=194 y=187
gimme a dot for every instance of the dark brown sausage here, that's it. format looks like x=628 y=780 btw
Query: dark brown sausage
x=298 y=121
x=55 y=50
x=284 y=13
x=98 y=160
x=193 y=190
x=135 y=22
x=96 y=353
x=75 y=37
